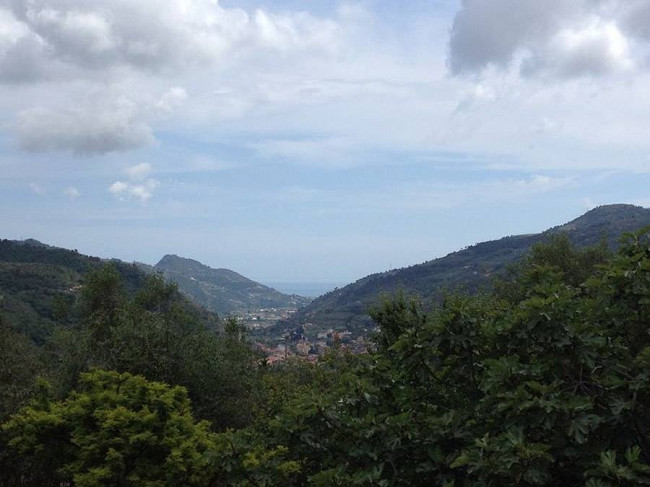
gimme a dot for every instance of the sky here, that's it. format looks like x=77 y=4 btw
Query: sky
x=316 y=140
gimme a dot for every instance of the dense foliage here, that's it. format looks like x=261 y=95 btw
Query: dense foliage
x=117 y=429
x=543 y=381
x=19 y=366
x=546 y=384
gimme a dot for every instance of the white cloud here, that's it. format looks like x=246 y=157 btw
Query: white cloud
x=147 y=35
x=138 y=187
x=598 y=48
x=126 y=190
x=98 y=68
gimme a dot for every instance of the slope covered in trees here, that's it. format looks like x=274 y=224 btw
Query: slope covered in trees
x=542 y=381
x=221 y=290
x=467 y=269
x=41 y=286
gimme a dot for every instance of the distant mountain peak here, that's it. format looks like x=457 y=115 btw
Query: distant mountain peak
x=608 y=211
x=175 y=258
x=611 y=219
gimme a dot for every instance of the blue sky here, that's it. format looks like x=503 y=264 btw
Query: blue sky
x=321 y=140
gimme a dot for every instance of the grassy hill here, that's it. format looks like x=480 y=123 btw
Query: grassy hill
x=467 y=269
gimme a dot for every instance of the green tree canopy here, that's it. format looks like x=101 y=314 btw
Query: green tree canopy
x=547 y=385
x=116 y=429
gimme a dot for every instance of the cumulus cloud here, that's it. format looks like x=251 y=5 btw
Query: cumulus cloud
x=125 y=191
x=86 y=129
x=99 y=35
x=147 y=35
x=122 y=50
x=595 y=49
x=490 y=32
x=138 y=186
x=563 y=39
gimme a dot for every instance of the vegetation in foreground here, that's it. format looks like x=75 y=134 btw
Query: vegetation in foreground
x=544 y=381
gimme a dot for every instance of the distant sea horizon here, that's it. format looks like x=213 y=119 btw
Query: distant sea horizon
x=304 y=288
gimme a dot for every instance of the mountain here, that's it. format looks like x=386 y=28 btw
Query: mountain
x=221 y=290
x=468 y=269
x=40 y=286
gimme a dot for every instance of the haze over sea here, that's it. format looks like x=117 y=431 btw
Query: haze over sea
x=308 y=289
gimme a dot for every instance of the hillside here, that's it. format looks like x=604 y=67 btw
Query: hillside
x=222 y=290
x=40 y=286
x=467 y=269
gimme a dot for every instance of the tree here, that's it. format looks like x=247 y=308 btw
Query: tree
x=20 y=363
x=103 y=298
x=156 y=333
x=116 y=429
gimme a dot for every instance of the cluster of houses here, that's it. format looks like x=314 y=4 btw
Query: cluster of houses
x=296 y=344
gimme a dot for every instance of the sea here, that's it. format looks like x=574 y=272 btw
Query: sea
x=305 y=288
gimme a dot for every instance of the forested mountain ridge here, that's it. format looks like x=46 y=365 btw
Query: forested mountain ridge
x=40 y=285
x=466 y=269
x=221 y=290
